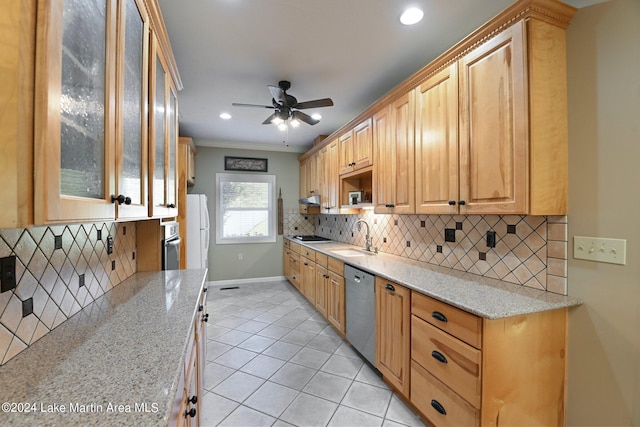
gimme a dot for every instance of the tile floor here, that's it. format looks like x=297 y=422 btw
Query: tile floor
x=273 y=360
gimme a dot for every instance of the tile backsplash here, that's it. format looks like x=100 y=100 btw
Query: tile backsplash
x=59 y=270
x=296 y=223
x=529 y=250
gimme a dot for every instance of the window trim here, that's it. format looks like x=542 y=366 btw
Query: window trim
x=245 y=177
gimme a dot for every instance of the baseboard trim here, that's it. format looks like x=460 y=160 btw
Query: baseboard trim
x=245 y=281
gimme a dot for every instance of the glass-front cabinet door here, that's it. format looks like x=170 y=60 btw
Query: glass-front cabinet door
x=74 y=111
x=162 y=136
x=132 y=111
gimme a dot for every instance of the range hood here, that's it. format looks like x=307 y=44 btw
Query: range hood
x=310 y=201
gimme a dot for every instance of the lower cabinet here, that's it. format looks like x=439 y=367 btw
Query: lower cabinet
x=187 y=405
x=308 y=275
x=336 y=296
x=393 y=311
x=322 y=283
x=467 y=370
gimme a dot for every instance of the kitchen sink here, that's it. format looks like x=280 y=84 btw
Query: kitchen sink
x=352 y=252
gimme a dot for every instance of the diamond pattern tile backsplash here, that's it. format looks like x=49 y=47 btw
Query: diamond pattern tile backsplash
x=529 y=250
x=59 y=270
x=295 y=223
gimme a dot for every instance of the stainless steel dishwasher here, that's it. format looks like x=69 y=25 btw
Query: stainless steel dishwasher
x=361 y=311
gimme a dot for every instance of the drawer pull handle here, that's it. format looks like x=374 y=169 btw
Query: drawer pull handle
x=438 y=356
x=438 y=407
x=439 y=316
x=390 y=287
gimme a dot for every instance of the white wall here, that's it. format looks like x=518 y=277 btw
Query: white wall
x=604 y=200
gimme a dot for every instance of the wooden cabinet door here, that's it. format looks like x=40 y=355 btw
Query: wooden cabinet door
x=322 y=284
x=286 y=259
x=383 y=158
x=75 y=99
x=493 y=126
x=363 y=145
x=132 y=112
x=393 y=316
x=308 y=279
x=436 y=165
x=329 y=193
x=345 y=156
x=335 y=302
x=394 y=157
x=402 y=122
x=304 y=178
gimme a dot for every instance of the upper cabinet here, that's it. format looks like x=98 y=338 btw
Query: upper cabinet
x=77 y=140
x=394 y=157
x=75 y=111
x=437 y=143
x=480 y=130
x=328 y=172
x=356 y=148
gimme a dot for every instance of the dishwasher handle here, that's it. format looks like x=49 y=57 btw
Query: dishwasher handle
x=356 y=278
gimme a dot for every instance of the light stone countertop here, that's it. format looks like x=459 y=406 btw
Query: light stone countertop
x=482 y=296
x=126 y=348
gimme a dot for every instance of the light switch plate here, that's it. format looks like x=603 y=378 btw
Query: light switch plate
x=600 y=249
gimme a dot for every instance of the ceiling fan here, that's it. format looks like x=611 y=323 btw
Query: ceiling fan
x=286 y=106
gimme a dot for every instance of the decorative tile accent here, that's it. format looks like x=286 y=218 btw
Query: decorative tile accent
x=296 y=223
x=59 y=270
x=530 y=250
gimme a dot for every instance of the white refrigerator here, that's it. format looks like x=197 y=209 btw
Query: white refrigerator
x=197 y=231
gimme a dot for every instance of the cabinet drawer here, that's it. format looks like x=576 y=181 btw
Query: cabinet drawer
x=286 y=243
x=310 y=254
x=336 y=266
x=321 y=259
x=295 y=247
x=427 y=394
x=459 y=323
x=455 y=363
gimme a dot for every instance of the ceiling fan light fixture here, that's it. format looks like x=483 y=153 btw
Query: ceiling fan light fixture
x=282 y=126
x=411 y=16
x=295 y=123
x=277 y=120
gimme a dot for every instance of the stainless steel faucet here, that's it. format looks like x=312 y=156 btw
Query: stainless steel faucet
x=358 y=224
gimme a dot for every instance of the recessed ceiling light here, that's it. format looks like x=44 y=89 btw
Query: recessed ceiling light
x=316 y=116
x=225 y=116
x=411 y=16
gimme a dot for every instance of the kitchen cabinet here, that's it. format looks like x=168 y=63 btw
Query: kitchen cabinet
x=356 y=148
x=90 y=140
x=467 y=370
x=188 y=402
x=309 y=182
x=17 y=56
x=328 y=162
x=394 y=157
x=436 y=151
x=186 y=168
x=188 y=151
x=322 y=283
x=162 y=137
x=336 y=296
x=393 y=314
x=308 y=274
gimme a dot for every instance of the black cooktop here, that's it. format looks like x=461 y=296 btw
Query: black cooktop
x=312 y=238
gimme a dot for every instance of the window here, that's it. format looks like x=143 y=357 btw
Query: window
x=245 y=208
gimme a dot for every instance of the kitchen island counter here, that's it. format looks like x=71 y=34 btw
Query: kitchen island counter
x=116 y=362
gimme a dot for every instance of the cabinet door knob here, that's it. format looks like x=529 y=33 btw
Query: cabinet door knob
x=191 y=413
x=194 y=400
x=452 y=202
x=439 y=316
x=389 y=205
x=171 y=205
x=438 y=356
x=120 y=198
x=205 y=318
x=438 y=407
x=390 y=287
x=462 y=203
x=200 y=307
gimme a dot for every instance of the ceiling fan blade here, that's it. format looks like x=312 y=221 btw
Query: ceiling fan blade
x=316 y=103
x=269 y=119
x=236 y=104
x=278 y=94
x=304 y=117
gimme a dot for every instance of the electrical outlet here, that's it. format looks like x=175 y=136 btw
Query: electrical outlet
x=491 y=239
x=600 y=249
x=449 y=235
x=109 y=245
x=8 y=273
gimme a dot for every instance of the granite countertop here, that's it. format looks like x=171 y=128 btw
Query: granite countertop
x=482 y=296
x=117 y=362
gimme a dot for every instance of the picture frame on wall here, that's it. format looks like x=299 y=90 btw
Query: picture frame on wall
x=245 y=164
x=355 y=197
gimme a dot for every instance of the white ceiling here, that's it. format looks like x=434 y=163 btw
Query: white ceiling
x=353 y=51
